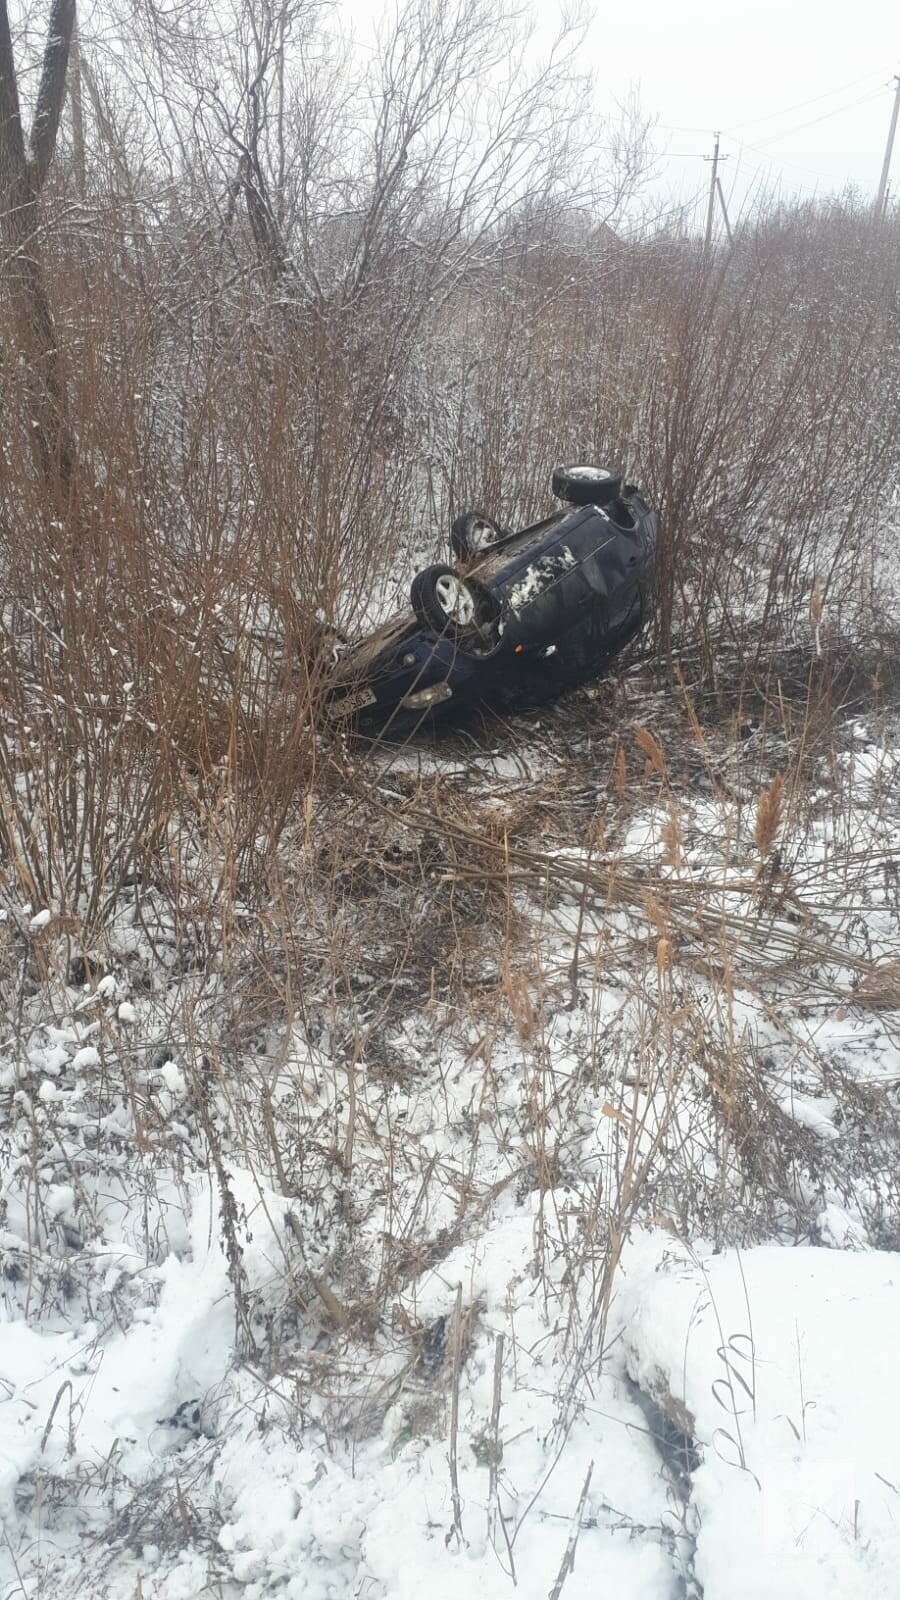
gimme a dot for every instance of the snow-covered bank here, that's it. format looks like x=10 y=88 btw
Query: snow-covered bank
x=170 y=1468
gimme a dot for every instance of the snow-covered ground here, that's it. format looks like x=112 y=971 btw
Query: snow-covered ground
x=552 y=1251
x=780 y=1365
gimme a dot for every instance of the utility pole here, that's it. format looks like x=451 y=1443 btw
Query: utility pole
x=712 y=195
x=724 y=211
x=881 y=201
x=714 y=188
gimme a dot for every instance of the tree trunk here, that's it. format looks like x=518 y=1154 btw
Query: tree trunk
x=20 y=182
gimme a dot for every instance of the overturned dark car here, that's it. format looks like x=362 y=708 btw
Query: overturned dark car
x=521 y=617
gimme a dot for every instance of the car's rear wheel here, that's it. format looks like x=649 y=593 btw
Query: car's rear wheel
x=473 y=535
x=586 y=486
x=444 y=601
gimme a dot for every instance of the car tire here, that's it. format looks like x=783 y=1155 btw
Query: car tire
x=585 y=486
x=473 y=535
x=444 y=601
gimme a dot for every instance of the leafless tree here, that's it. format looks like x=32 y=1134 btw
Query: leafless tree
x=405 y=161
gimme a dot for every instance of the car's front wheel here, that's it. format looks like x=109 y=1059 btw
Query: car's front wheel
x=473 y=535
x=586 y=486
x=444 y=601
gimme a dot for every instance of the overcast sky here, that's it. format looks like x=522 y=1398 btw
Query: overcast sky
x=801 y=91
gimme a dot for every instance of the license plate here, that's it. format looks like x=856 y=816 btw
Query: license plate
x=349 y=703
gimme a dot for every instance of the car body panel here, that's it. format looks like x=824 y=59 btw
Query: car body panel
x=567 y=593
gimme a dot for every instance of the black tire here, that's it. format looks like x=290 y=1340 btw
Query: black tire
x=449 y=604
x=473 y=535
x=585 y=486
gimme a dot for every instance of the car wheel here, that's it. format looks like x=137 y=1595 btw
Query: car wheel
x=585 y=486
x=473 y=535
x=444 y=601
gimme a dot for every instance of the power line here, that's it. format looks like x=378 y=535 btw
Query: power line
x=839 y=111
x=768 y=146
x=773 y=160
x=800 y=105
x=782 y=161
x=786 y=111
x=742 y=145
x=764 y=148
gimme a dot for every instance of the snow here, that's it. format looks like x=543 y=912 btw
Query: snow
x=85 y=1058
x=316 y=1524
x=785 y=1359
x=539 y=576
x=173 y=1079
x=218 y=1376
